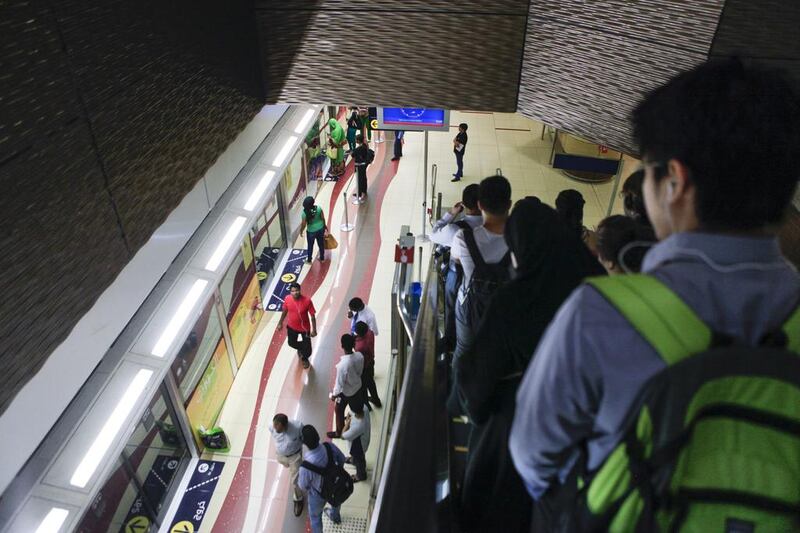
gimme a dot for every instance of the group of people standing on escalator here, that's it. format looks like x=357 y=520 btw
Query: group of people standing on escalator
x=551 y=358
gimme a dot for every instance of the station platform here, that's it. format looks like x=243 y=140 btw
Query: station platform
x=253 y=492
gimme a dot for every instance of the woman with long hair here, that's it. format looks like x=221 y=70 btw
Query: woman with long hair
x=549 y=260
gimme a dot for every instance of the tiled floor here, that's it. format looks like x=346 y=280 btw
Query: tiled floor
x=253 y=492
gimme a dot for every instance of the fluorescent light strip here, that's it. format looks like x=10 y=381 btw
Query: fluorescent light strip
x=284 y=153
x=53 y=521
x=301 y=126
x=113 y=424
x=225 y=244
x=180 y=316
x=259 y=191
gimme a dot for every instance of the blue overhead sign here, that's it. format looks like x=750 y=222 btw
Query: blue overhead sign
x=413 y=118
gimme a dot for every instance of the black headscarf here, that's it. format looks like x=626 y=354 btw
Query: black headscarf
x=551 y=262
x=569 y=204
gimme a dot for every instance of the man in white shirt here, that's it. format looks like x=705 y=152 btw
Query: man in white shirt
x=444 y=231
x=347 y=387
x=494 y=201
x=357 y=432
x=289 y=452
x=359 y=312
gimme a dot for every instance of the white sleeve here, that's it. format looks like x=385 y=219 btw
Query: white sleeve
x=460 y=251
x=373 y=323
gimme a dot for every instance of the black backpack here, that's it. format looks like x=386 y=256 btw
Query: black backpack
x=370 y=156
x=337 y=484
x=486 y=279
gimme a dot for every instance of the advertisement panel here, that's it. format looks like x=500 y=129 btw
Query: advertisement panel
x=244 y=320
x=209 y=395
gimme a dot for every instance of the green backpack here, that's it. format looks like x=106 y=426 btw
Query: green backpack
x=714 y=443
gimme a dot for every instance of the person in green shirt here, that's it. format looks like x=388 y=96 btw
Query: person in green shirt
x=314 y=224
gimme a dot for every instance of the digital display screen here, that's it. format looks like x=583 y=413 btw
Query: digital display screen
x=414 y=118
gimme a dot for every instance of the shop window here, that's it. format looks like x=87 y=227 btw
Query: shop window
x=133 y=495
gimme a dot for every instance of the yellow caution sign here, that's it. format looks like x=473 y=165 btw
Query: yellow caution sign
x=288 y=277
x=183 y=527
x=138 y=524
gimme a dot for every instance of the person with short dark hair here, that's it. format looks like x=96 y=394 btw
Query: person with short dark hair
x=358 y=310
x=569 y=204
x=357 y=431
x=302 y=324
x=311 y=482
x=399 y=141
x=622 y=243
x=347 y=387
x=365 y=344
x=633 y=198
x=459 y=147
x=463 y=214
x=289 y=452
x=721 y=150
x=494 y=200
x=362 y=158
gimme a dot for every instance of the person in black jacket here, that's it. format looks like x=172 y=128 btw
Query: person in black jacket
x=549 y=262
x=362 y=156
x=354 y=125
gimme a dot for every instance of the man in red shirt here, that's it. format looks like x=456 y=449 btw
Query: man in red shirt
x=365 y=343
x=302 y=324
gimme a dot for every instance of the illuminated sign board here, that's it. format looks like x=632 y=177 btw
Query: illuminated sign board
x=413 y=119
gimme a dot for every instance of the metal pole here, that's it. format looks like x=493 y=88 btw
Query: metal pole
x=346 y=226
x=434 y=175
x=420 y=264
x=423 y=237
x=615 y=188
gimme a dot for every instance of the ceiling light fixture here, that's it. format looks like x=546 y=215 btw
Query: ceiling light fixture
x=53 y=521
x=259 y=191
x=284 y=153
x=113 y=424
x=225 y=244
x=180 y=316
x=301 y=126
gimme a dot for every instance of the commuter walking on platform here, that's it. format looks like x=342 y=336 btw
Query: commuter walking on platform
x=549 y=262
x=365 y=344
x=459 y=147
x=353 y=127
x=318 y=455
x=362 y=156
x=681 y=365
x=358 y=311
x=347 y=387
x=357 y=432
x=302 y=323
x=314 y=222
x=289 y=452
x=336 y=141
x=399 y=140
x=465 y=214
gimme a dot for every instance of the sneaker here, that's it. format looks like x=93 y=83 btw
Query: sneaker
x=456 y=179
x=298 y=507
x=356 y=201
x=335 y=518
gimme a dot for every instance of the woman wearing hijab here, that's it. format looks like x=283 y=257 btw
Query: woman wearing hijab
x=569 y=205
x=314 y=221
x=550 y=261
x=353 y=126
x=336 y=142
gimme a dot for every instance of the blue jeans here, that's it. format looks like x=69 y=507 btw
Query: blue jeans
x=318 y=236
x=450 y=292
x=315 y=506
x=464 y=335
x=460 y=163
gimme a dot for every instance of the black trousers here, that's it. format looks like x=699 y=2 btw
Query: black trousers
x=359 y=458
x=300 y=341
x=460 y=163
x=398 y=147
x=361 y=173
x=370 y=389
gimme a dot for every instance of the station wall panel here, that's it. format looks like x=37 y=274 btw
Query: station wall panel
x=427 y=54
x=111 y=112
x=585 y=67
